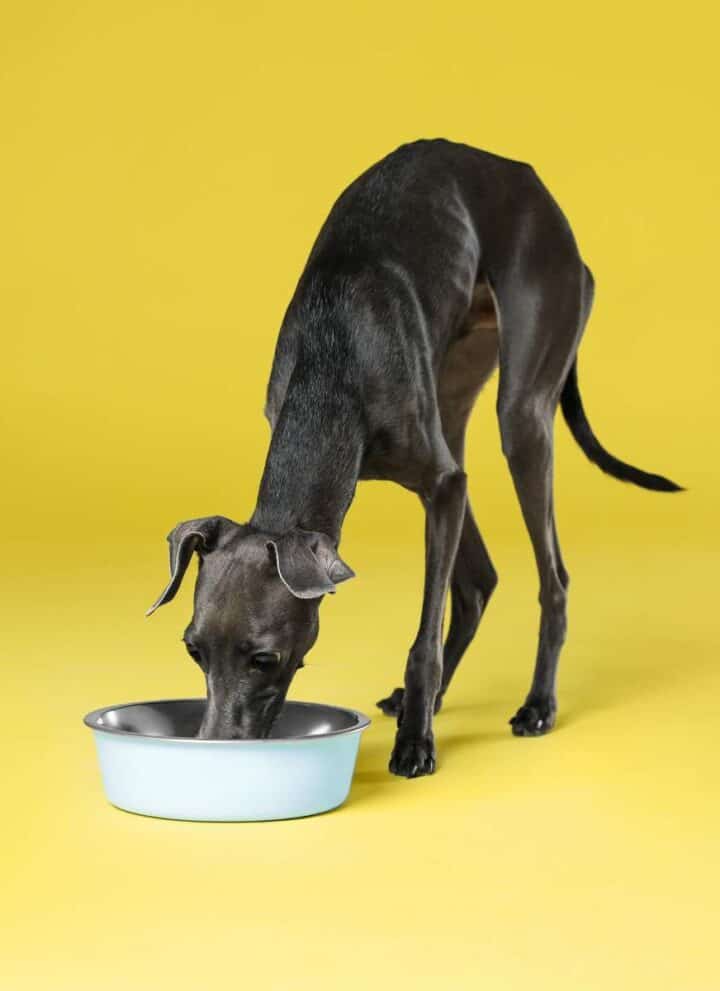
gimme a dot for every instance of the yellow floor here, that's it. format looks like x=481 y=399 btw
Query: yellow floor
x=586 y=859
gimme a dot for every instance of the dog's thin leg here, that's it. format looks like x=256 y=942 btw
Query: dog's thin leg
x=527 y=441
x=540 y=333
x=473 y=581
x=414 y=751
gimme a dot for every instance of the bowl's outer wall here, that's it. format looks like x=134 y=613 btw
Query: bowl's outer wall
x=180 y=780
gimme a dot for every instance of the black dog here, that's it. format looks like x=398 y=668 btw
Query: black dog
x=435 y=265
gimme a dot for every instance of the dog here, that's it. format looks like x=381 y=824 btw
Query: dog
x=438 y=264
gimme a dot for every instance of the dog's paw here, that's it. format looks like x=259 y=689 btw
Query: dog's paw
x=534 y=718
x=413 y=757
x=392 y=705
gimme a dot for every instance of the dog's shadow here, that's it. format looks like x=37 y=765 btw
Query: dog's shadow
x=599 y=683
x=596 y=684
x=373 y=781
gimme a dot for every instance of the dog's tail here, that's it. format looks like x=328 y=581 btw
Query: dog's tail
x=575 y=417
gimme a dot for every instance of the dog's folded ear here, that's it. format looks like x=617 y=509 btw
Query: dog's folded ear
x=308 y=563
x=199 y=535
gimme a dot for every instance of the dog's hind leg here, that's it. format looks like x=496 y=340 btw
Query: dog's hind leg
x=541 y=318
x=473 y=581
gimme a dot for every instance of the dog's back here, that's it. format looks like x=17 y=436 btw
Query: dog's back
x=393 y=274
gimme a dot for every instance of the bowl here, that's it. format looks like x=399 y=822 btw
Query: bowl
x=151 y=763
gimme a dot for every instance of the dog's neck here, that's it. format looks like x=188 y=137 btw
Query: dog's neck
x=313 y=462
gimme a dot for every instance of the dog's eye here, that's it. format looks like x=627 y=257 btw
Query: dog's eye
x=194 y=653
x=264 y=658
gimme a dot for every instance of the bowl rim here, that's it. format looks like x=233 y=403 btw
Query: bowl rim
x=91 y=720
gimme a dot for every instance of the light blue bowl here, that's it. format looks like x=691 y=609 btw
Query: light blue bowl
x=151 y=763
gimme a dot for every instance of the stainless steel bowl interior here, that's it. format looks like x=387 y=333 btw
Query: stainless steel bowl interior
x=180 y=719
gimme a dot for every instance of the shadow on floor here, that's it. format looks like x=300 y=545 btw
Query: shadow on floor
x=599 y=679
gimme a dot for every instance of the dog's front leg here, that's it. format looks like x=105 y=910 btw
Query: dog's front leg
x=414 y=751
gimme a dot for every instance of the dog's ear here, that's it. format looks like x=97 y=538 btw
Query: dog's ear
x=193 y=535
x=308 y=563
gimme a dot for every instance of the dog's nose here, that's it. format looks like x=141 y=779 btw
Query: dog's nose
x=231 y=723
x=218 y=723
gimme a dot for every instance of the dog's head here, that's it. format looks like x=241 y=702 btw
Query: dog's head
x=255 y=615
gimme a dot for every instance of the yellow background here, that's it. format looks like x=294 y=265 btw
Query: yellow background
x=164 y=170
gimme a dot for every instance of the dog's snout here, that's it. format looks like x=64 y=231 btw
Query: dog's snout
x=215 y=731
x=236 y=721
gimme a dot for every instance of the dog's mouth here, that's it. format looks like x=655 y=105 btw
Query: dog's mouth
x=254 y=723
x=264 y=718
